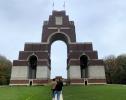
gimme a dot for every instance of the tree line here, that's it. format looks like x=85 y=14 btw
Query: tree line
x=115 y=69
x=5 y=70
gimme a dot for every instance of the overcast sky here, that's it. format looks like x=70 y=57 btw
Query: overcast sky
x=102 y=22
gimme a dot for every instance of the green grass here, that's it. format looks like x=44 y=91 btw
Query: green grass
x=91 y=92
x=25 y=93
x=95 y=92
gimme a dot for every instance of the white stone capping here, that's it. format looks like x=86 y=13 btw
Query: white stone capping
x=65 y=28
x=96 y=83
x=57 y=27
x=18 y=84
x=52 y=27
x=81 y=43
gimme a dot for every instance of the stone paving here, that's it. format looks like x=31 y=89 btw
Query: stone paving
x=61 y=97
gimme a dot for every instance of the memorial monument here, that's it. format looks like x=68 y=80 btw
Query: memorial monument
x=33 y=66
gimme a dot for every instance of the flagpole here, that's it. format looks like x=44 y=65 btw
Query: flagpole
x=53 y=5
x=64 y=5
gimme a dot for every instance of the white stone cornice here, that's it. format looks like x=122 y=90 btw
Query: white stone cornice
x=52 y=28
x=65 y=28
x=58 y=27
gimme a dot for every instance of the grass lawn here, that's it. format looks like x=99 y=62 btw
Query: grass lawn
x=95 y=92
x=25 y=93
x=92 y=92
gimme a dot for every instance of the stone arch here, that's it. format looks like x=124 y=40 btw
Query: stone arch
x=58 y=58
x=84 y=59
x=84 y=65
x=32 y=66
x=59 y=36
x=33 y=54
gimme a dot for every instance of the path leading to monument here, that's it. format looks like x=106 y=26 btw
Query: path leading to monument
x=61 y=97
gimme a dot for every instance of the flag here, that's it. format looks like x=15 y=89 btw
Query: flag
x=64 y=5
x=53 y=4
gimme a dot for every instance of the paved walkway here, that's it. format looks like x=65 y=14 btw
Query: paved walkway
x=61 y=97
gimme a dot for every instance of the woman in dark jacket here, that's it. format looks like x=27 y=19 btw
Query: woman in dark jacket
x=58 y=88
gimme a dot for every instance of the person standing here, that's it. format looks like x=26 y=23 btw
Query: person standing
x=53 y=88
x=58 y=88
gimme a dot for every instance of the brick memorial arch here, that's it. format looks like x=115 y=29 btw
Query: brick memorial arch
x=33 y=65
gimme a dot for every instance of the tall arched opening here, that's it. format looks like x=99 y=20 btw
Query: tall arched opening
x=58 y=59
x=84 y=66
x=32 y=67
x=59 y=56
